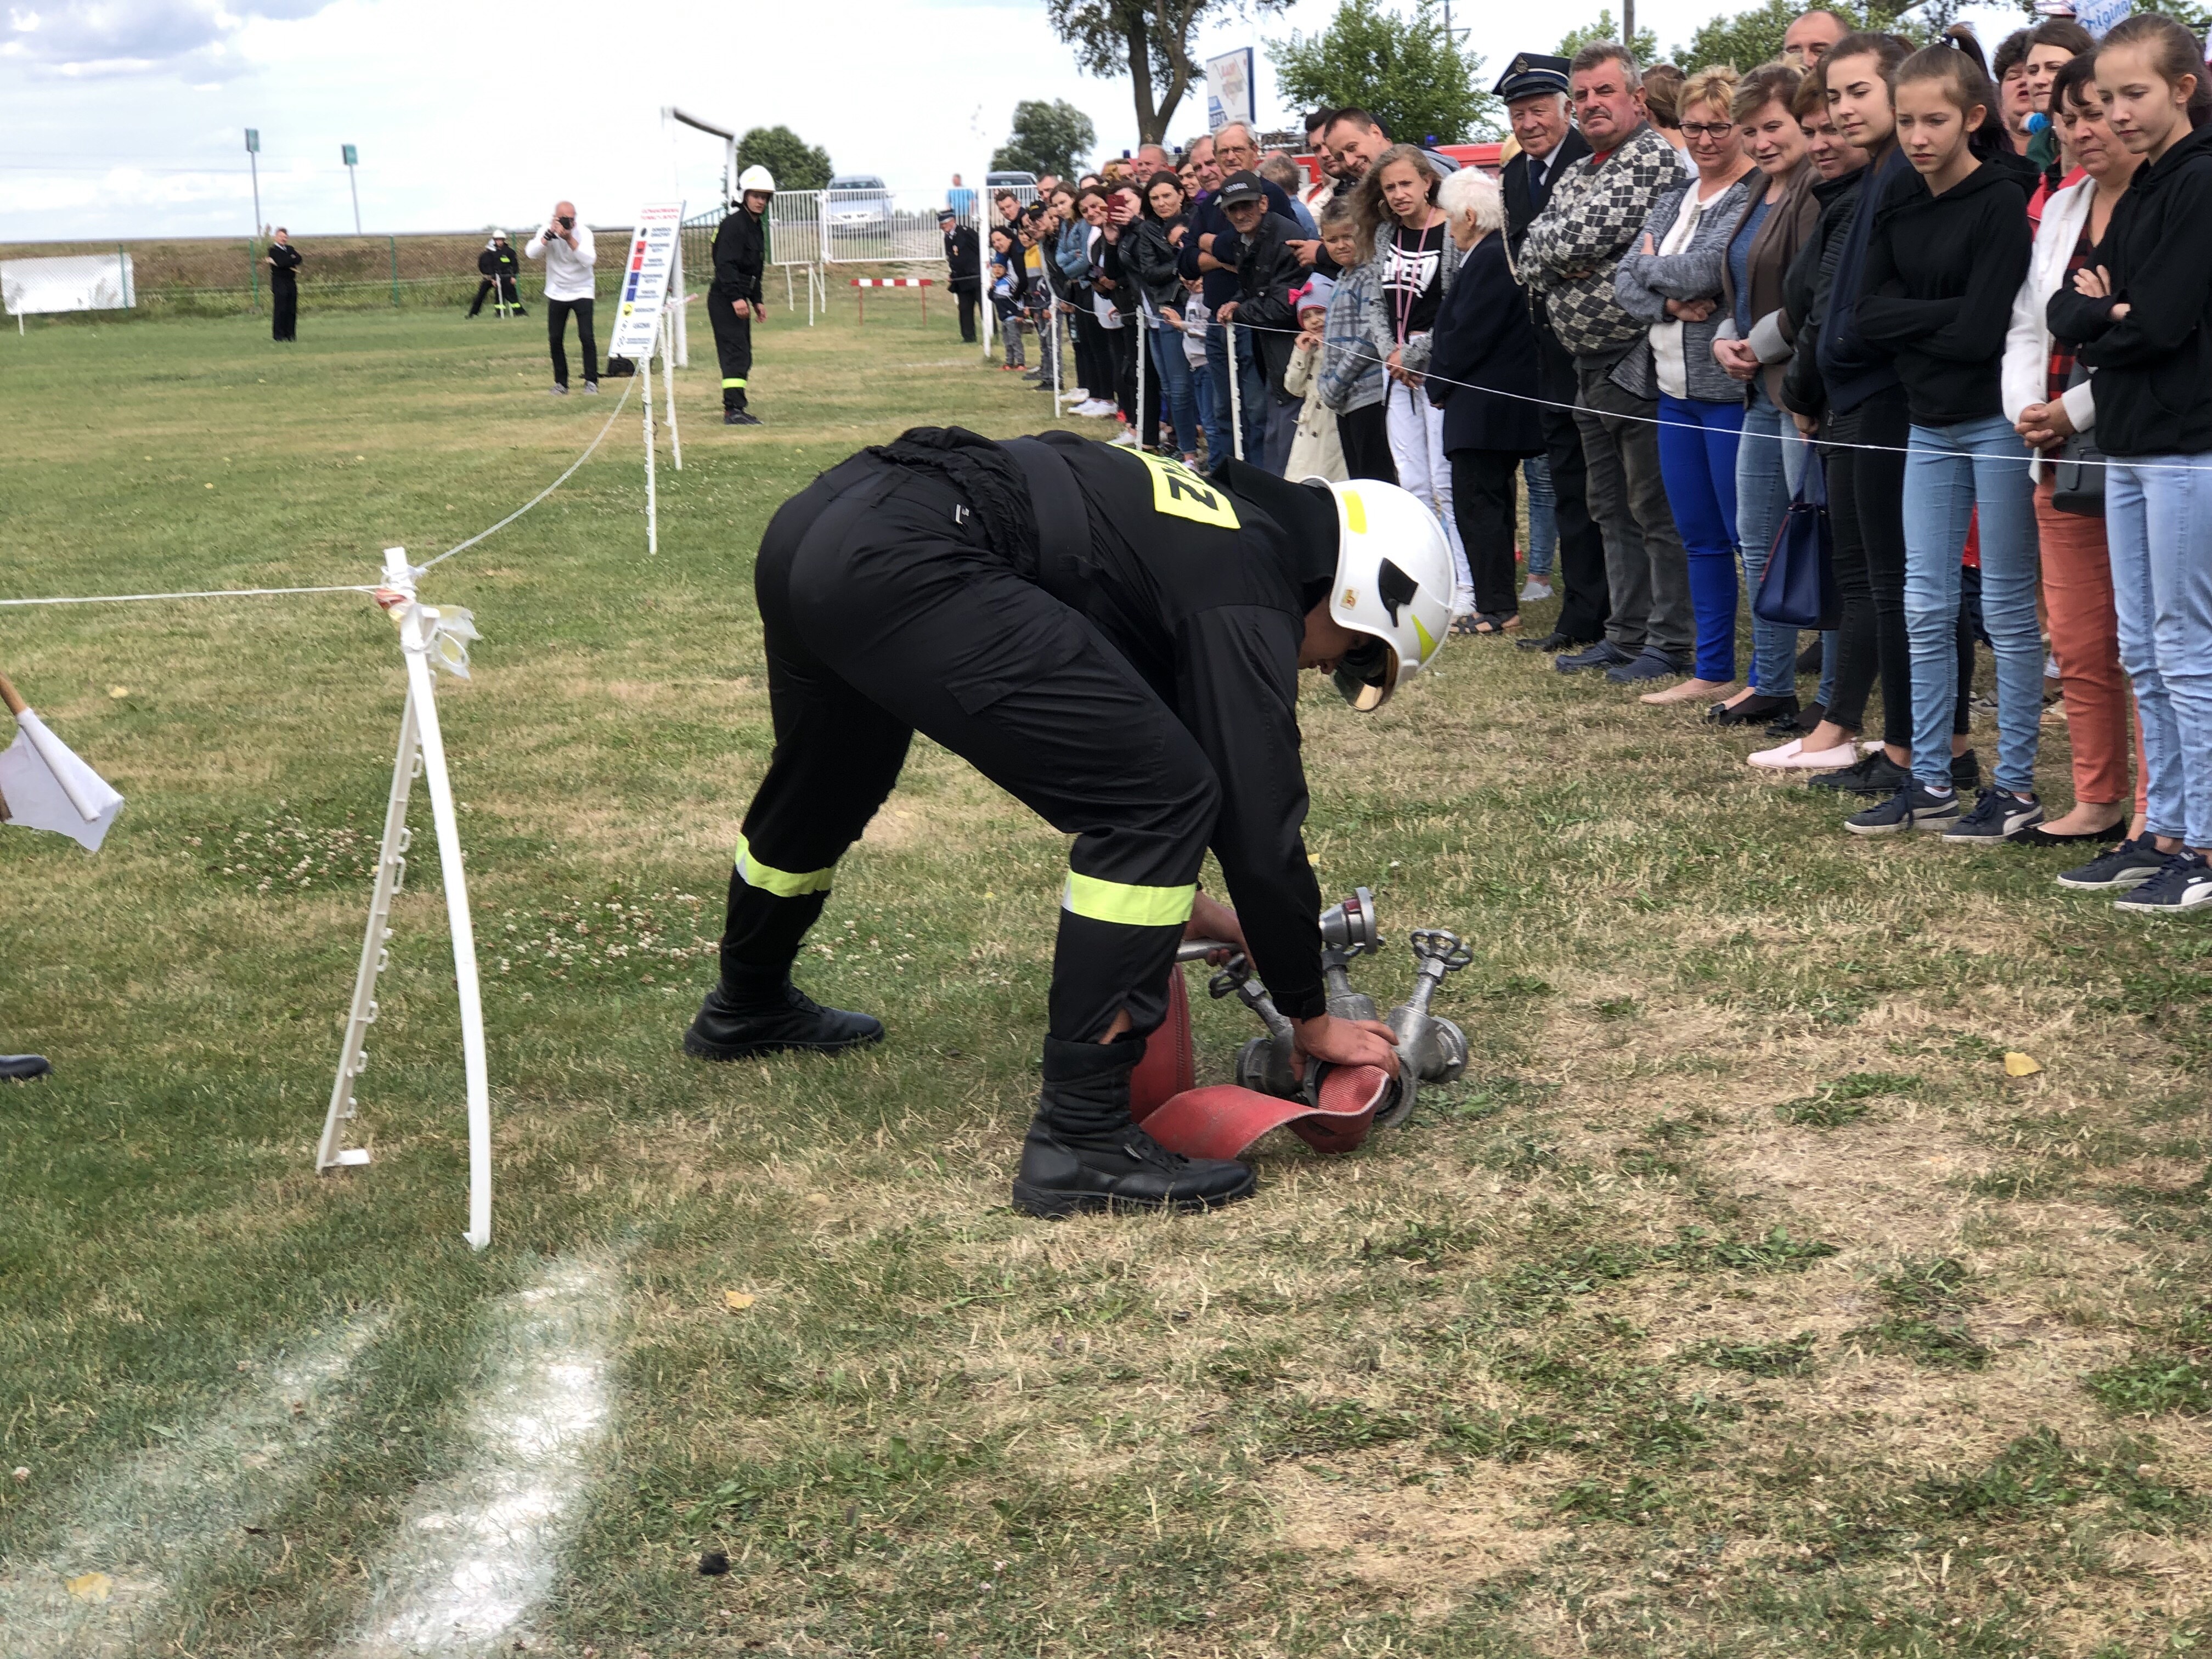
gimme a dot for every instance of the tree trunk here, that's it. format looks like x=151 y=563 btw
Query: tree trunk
x=1150 y=122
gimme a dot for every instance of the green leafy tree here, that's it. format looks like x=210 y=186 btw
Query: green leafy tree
x=1046 y=138
x=792 y=162
x=1646 y=45
x=1418 y=83
x=1149 y=42
x=1748 y=38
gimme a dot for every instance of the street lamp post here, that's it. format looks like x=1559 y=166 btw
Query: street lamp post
x=353 y=181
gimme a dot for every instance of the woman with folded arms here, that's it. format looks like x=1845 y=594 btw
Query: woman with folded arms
x=2047 y=402
x=1673 y=280
x=1752 y=344
x=1948 y=250
x=2142 y=318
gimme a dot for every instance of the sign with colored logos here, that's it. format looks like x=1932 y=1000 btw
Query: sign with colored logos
x=644 y=278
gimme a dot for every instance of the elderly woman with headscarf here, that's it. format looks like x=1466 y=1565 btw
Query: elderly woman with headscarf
x=1482 y=374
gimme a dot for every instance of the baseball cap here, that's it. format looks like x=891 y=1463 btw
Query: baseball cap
x=1242 y=187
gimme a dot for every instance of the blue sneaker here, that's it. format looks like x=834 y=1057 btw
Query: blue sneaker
x=1916 y=806
x=1604 y=654
x=2128 y=865
x=1999 y=815
x=1653 y=664
x=2183 y=884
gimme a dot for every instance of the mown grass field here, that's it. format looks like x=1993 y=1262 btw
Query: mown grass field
x=1737 y=1304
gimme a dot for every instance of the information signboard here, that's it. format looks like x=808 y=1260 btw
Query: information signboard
x=644 y=293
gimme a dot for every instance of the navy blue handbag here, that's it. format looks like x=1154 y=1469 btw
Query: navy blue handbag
x=1799 y=588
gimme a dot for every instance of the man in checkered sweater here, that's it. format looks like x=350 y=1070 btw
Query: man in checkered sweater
x=1595 y=213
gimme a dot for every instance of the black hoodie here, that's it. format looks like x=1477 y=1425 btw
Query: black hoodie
x=1805 y=291
x=2154 y=365
x=1940 y=274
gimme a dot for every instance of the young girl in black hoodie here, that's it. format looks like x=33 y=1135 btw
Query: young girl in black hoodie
x=2142 y=319
x=1949 y=248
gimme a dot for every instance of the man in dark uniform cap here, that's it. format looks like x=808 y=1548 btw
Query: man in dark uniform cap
x=1535 y=88
x=964 y=265
x=1114 y=640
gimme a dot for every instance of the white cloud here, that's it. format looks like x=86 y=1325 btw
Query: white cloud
x=83 y=38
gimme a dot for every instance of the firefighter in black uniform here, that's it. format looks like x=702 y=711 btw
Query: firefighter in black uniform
x=1115 y=641
x=964 y=269
x=284 y=261
x=733 y=298
x=498 y=265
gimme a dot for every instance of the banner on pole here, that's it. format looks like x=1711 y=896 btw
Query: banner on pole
x=644 y=294
x=1229 y=90
x=2098 y=16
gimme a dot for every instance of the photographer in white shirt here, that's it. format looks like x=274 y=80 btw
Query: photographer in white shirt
x=566 y=247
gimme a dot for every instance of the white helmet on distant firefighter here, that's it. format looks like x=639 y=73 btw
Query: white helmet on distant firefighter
x=1393 y=584
x=756 y=178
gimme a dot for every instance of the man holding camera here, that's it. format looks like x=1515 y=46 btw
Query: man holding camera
x=566 y=249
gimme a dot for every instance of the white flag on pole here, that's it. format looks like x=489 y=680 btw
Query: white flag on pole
x=45 y=786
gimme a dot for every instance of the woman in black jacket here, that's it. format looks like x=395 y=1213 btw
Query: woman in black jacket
x=1150 y=248
x=1949 y=248
x=1483 y=374
x=2142 y=319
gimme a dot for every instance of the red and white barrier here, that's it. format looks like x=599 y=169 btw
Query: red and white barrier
x=860 y=300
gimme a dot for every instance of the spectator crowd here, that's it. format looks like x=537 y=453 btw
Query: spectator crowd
x=1912 y=347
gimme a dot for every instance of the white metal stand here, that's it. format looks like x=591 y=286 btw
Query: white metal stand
x=668 y=380
x=1235 y=394
x=1143 y=320
x=421 y=748
x=1054 y=315
x=652 y=504
x=678 y=324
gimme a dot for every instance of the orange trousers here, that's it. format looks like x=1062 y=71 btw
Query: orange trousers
x=2077 y=591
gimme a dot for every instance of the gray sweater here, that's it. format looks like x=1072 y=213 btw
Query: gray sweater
x=1643 y=284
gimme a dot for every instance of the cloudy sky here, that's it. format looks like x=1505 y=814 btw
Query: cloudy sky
x=126 y=118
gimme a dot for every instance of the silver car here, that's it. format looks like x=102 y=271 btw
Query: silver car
x=857 y=203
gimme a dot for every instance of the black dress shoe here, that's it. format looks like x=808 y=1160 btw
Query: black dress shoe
x=1084 y=1154
x=1791 y=725
x=771 y=1016
x=2038 y=836
x=739 y=417
x=1553 y=641
x=1604 y=654
x=22 y=1068
x=1808 y=659
x=1758 y=706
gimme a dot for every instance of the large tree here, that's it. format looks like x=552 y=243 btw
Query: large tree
x=1046 y=138
x=1416 y=82
x=792 y=162
x=1149 y=41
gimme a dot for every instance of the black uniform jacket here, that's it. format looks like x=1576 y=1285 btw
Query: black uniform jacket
x=1523 y=201
x=964 y=275
x=499 y=261
x=284 y=262
x=740 y=251
x=1203 y=584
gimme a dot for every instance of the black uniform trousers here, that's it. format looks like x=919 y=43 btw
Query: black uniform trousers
x=886 y=614
x=1586 y=604
x=734 y=342
x=284 y=309
x=965 y=299
x=502 y=286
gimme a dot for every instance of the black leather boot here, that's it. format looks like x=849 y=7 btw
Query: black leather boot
x=759 y=1011
x=22 y=1068
x=1085 y=1153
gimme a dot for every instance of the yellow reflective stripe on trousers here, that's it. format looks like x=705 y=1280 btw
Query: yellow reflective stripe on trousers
x=784 y=884
x=1131 y=906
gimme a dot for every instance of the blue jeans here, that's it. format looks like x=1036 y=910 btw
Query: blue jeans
x=1178 y=407
x=1253 y=391
x=1952 y=472
x=1697 y=443
x=1543 y=517
x=1769 y=466
x=1201 y=398
x=2158 y=522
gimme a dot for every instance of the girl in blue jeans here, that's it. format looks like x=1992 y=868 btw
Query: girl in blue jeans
x=2143 y=322
x=1949 y=249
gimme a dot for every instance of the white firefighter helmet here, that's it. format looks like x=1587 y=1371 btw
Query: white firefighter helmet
x=754 y=178
x=1393 y=584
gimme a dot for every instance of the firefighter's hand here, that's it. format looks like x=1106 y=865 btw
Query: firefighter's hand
x=1343 y=1043
x=1212 y=919
x=760 y=311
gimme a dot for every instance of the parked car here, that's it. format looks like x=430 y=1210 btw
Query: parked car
x=857 y=202
x=1009 y=181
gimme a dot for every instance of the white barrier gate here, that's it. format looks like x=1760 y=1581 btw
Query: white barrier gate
x=90 y=282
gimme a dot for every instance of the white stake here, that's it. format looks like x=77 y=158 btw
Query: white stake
x=1235 y=394
x=1144 y=351
x=668 y=380
x=652 y=504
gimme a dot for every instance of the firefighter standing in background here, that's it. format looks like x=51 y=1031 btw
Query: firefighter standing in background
x=1115 y=641
x=284 y=262
x=498 y=265
x=733 y=298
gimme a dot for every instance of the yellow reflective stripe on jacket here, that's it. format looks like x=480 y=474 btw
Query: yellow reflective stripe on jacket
x=1131 y=906
x=784 y=884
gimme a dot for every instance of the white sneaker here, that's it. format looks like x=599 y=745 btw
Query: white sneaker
x=1124 y=439
x=1080 y=394
x=1534 y=590
x=1794 y=756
